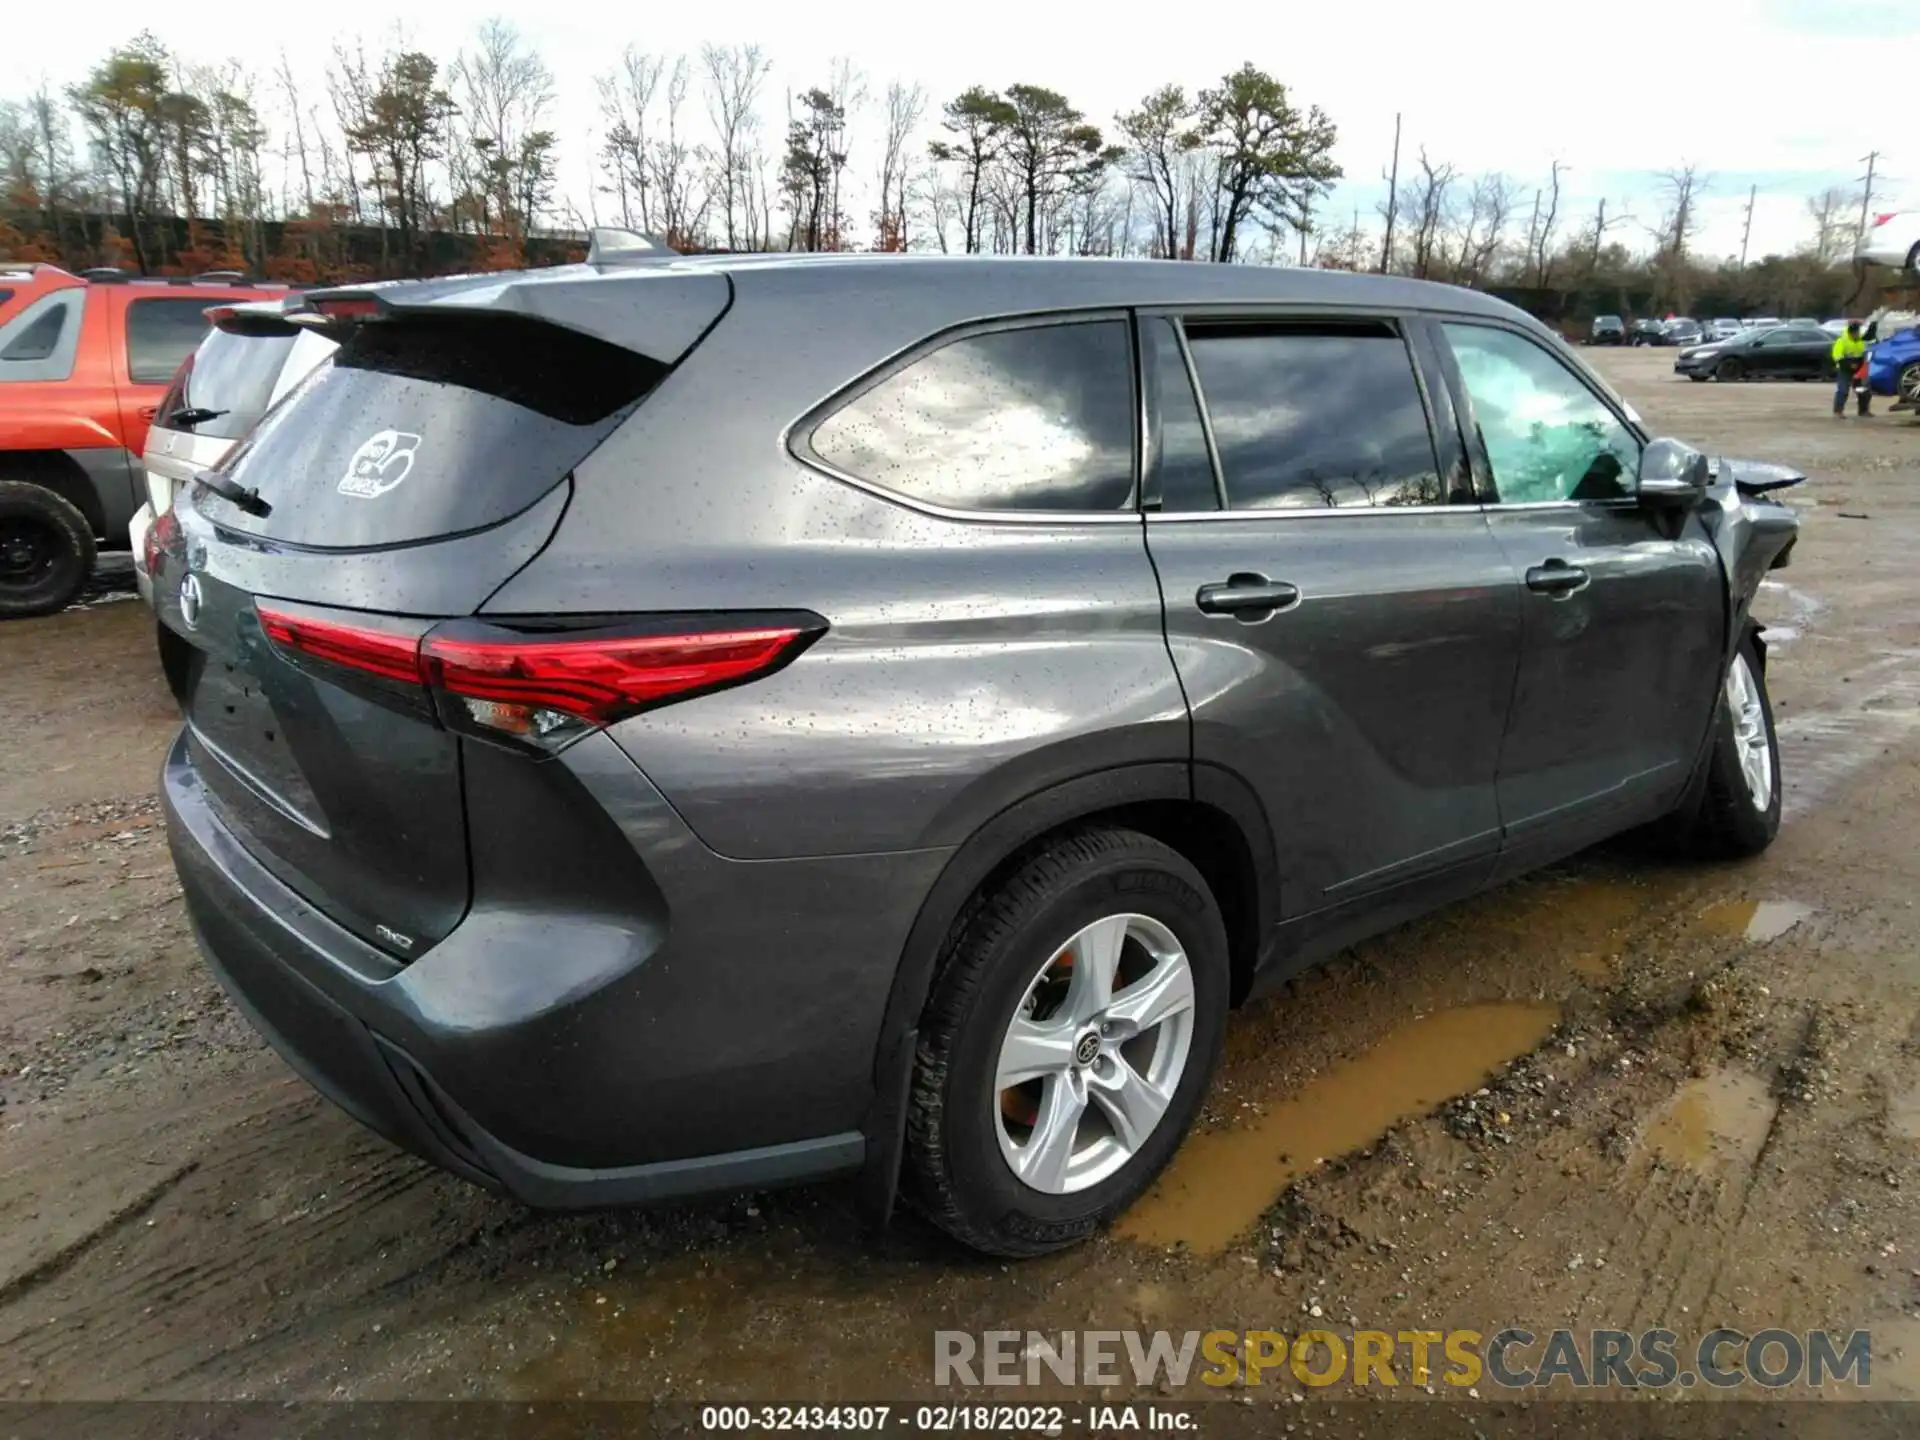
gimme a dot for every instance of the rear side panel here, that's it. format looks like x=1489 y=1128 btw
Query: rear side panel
x=968 y=663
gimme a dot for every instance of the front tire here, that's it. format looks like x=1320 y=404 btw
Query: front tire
x=1908 y=383
x=1730 y=370
x=46 y=550
x=1072 y=1032
x=1738 y=810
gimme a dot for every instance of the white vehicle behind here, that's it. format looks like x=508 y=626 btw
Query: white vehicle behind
x=1893 y=240
x=246 y=364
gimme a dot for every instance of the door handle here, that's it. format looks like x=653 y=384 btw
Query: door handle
x=1556 y=578
x=147 y=412
x=1247 y=596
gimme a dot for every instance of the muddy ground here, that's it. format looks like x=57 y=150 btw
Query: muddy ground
x=1621 y=1094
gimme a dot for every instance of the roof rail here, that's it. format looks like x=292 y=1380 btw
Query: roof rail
x=103 y=273
x=222 y=275
x=611 y=245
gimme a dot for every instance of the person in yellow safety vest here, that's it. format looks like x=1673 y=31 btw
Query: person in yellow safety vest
x=1849 y=352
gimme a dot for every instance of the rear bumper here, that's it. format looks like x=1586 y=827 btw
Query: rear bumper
x=556 y=1064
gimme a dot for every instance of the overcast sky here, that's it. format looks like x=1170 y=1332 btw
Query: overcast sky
x=1745 y=89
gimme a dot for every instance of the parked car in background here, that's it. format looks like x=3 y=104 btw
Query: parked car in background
x=1723 y=329
x=1893 y=240
x=1893 y=365
x=1784 y=352
x=246 y=364
x=1608 y=330
x=1682 y=331
x=1835 y=328
x=1647 y=332
x=84 y=363
x=1762 y=322
x=500 y=706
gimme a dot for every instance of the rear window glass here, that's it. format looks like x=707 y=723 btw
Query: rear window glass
x=232 y=376
x=1040 y=417
x=161 y=334
x=1316 y=416
x=429 y=427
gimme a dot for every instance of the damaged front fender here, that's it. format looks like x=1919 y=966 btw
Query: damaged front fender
x=1753 y=532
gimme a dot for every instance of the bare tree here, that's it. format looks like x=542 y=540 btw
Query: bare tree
x=1684 y=187
x=505 y=91
x=735 y=75
x=904 y=106
x=1540 y=231
x=1427 y=202
x=1390 y=211
x=1832 y=225
x=1490 y=205
x=677 y=180
x=626 y=107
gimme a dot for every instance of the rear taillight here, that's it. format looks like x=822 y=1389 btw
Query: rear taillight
x=350 y=647
x=546 y=690
x=160 y=536
x=543 y=688
x=1880 y=220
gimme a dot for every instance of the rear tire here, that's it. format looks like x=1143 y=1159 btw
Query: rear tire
x=1737 y=813
x=46 y=550
x=1009 y=982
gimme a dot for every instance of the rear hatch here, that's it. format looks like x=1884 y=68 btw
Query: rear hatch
x=219 y=393
x=407 y=478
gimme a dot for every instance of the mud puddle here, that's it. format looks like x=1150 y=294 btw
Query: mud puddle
x=1718 y=1120
x=1222 y=1180
x=1758 y=921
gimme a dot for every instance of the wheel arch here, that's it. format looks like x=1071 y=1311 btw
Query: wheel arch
x=1208 y=814
x=59 y=472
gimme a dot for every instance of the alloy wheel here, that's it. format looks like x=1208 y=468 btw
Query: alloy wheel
x=1750 y=740
x=1094 y=1053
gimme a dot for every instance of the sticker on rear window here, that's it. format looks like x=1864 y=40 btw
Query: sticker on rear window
x=383 y=460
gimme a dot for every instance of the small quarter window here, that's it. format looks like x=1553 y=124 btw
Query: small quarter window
x=1038 y=417
x=1179 y=468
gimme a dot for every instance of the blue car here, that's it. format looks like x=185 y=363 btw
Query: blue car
x=1893 y=366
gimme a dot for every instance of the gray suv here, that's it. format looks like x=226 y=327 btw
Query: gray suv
x=667 y=725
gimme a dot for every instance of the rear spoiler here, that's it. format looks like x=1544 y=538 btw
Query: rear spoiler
x=641 y=300
x=249 y=320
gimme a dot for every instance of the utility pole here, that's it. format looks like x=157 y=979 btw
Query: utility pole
x=1866 y=195
x=1393 y=197
x=1747 y=233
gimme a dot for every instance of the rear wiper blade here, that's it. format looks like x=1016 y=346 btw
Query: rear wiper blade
x=245 y=497
x=193 y=415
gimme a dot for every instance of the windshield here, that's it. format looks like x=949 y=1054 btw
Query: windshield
x=1606 y=319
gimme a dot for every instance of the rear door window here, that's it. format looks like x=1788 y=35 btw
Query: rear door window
x=428 y=427
x=161 y=334
x=232 y=379
x=1315 y=415
x=1028 y=418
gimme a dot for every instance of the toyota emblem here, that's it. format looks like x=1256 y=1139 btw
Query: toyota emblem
x=190 y=601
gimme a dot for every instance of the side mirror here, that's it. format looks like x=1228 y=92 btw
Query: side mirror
x=1672 y=473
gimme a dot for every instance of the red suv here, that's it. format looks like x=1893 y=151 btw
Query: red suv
x=84 y=362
